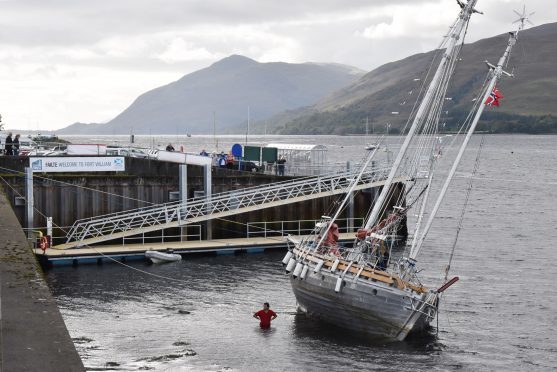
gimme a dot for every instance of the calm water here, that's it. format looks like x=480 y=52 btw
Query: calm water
x=501 y=315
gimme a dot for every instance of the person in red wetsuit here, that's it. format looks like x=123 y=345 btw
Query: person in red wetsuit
x=265 y=316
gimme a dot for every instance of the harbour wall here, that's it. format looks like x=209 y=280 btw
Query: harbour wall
x=67 y=197
x=33 y=336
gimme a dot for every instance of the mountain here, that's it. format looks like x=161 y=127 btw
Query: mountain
x=528 y=105
x=227 y=88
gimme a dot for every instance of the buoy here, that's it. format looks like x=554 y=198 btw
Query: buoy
x=339 y=284
x=43 y=243
x=287 y=257
x=318 y=266
x=298 y=269
x=335 y=265
x=304 y=272
x=290 y=265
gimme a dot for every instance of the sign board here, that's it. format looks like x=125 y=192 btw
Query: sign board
x=270 y=154
x=77 y=164
x=252 y=153
x=264 y=154
x=237 y=150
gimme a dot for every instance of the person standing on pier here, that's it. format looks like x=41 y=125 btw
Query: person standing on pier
x=265 y=316
x=16 y=145
x=9 y=145
x=280 y=165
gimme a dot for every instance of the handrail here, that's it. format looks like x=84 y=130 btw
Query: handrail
x=246 y=190
x=264 y=230
x=164 y=214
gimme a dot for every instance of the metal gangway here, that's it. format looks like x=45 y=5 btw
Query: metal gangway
x=175 y=214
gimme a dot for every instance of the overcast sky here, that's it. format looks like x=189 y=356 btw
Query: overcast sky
x=63 y=61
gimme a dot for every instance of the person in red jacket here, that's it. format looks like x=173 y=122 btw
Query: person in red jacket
x=265 y=316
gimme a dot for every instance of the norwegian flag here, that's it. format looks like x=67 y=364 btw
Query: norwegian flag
x=494 y=97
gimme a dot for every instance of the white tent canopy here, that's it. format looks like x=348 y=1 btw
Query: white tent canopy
x=302 y=158
x=289 y=146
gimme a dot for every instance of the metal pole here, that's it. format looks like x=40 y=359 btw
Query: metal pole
x=49 y=230
x=350 y=221
x=215 y=130
x=208 y=191
x=29 y=206
x=247 y=129
x=183 y=189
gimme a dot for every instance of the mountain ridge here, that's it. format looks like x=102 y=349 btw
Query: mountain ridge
x=527 y=106
x=227 y=87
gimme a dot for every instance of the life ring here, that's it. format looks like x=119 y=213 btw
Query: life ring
x=43 y=243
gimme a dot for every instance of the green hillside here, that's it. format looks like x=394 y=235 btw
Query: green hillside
x=528 y=107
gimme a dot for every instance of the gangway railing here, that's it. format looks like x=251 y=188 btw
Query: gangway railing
x=297 y=227
x=153 y=218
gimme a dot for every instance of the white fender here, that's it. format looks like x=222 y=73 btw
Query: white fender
x=318 y=266
x=304 y=272
x=287 y=257
x=338 y=285
x=290 y=265
x=335 y=265
x=298 y=269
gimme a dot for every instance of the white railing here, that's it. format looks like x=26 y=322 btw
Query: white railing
x=165 y=237
x=296 y=227
x=228 y=203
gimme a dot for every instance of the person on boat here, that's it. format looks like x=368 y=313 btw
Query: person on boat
x=330 y=243
x=169 y=147
x=16 y=145
x=383 y=255
x=203 y=153
x=265 y=316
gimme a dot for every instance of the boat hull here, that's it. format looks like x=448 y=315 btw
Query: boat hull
x=370 y=308
x=161 y=257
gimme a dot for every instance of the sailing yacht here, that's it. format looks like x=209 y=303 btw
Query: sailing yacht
x=360 y=288
x=369 y=146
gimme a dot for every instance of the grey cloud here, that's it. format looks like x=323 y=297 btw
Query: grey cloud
x=71 y=22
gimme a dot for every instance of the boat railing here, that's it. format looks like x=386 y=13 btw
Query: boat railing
x=422 y=305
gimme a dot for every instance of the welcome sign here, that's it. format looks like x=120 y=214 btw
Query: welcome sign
x=77 y=164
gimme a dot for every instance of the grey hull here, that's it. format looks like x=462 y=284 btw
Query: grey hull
x=370 y=308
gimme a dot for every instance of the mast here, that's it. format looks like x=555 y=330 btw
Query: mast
x=454 y=37
x=496 y=73
x=367 y=134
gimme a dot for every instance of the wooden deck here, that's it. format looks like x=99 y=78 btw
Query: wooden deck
x=108 y=253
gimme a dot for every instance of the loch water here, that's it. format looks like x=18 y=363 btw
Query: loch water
x=196 y=315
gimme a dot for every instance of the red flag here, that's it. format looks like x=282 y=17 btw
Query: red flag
x=494 y=97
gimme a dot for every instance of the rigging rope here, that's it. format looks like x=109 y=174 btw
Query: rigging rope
x=466 y=200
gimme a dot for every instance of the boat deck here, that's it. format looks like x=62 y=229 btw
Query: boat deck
x=108 y=253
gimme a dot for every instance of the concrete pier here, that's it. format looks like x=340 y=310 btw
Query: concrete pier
x=33 y=336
